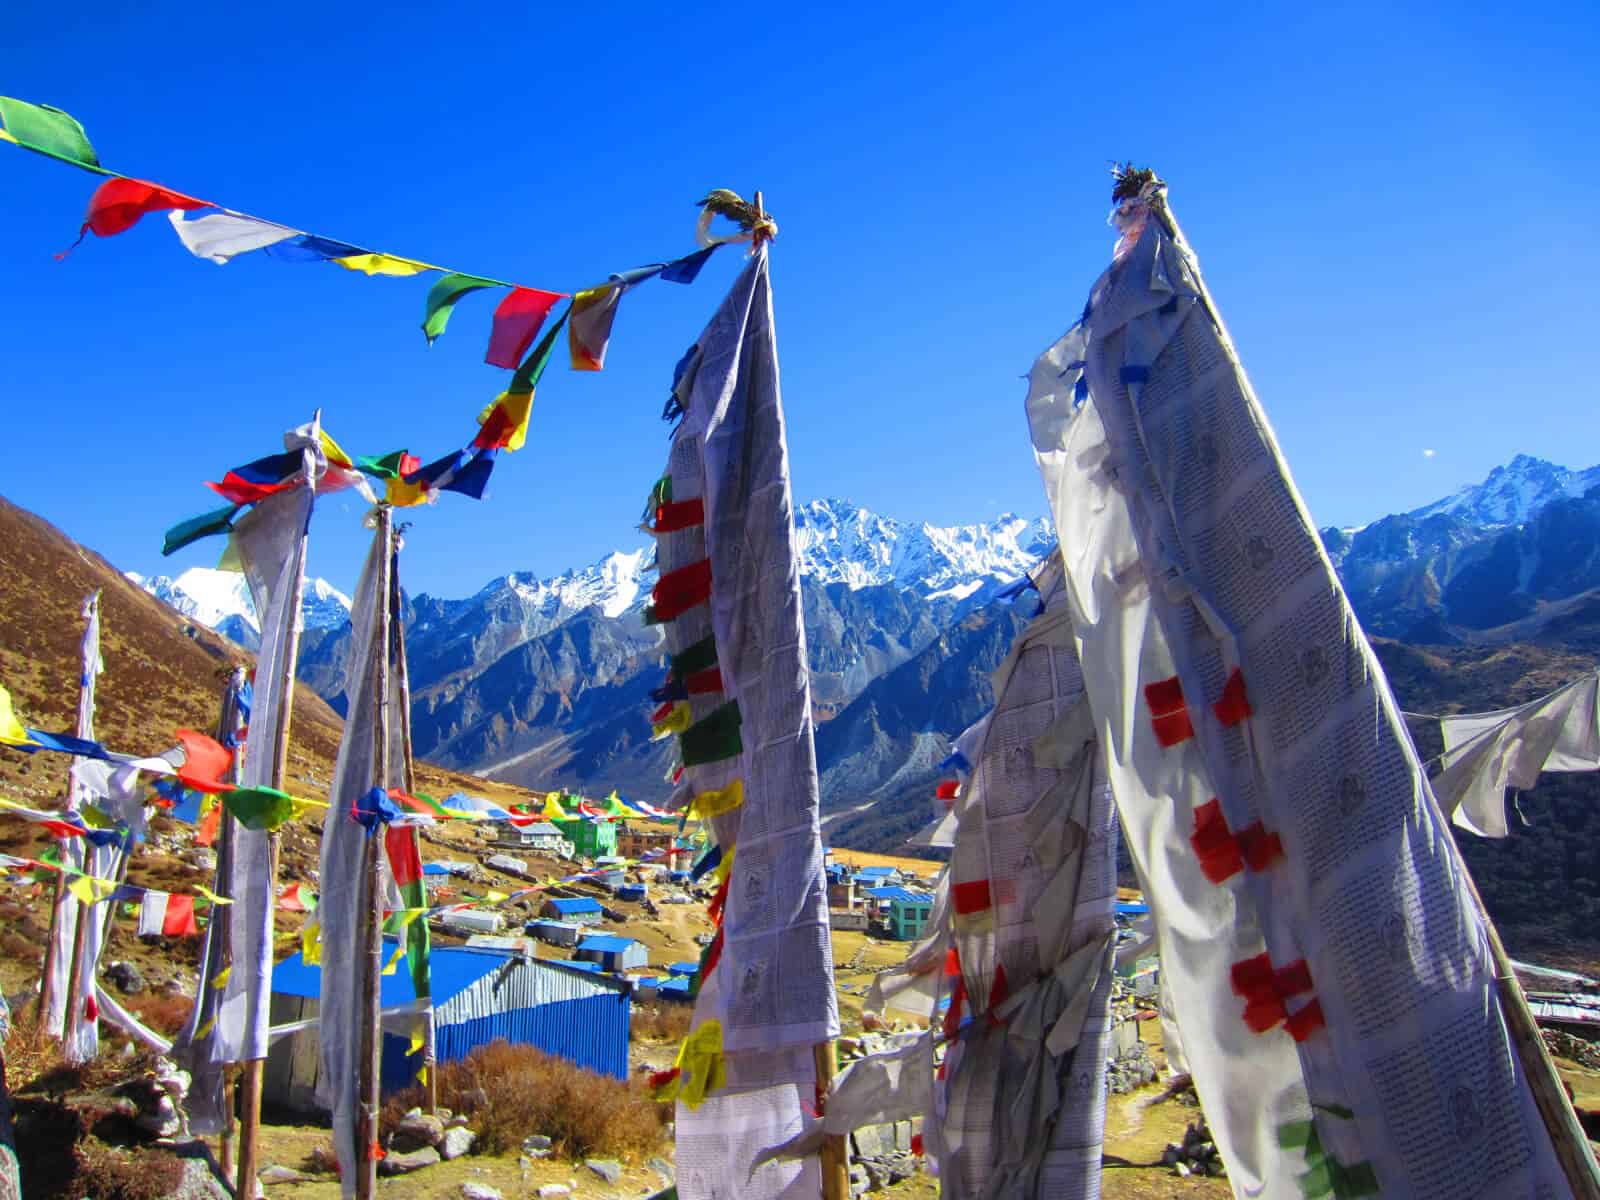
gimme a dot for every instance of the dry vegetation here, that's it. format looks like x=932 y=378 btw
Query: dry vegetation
x=667 y=1022
x=508 y=1092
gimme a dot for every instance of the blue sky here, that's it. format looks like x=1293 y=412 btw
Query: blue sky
x=1389 y=203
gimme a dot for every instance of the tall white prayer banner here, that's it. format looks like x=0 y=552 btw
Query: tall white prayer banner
x=739 y=700
x=269 y=544
x=343 y=900
x=65 y=919
x=1331 y=979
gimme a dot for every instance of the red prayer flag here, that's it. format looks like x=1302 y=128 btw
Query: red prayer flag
x=404 y=860
x=236 y=490
x=206 y=832
x=205 y=761
x=179 y=919
x=516 y=324
x=118 y=203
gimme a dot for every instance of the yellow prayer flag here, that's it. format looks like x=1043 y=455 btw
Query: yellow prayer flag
x=401 y=494
x=417 y=1039
x=11 y=731
x=714 y=803
x=383 y=264
x=553 y=810
x=422 y=1073
x=334 y=453
x=676 y=721
x=210 y=895
x=205 y=1029
x=311 y=944
x=394 y=959
x=512 y=431
x=221 y=981
x=725 y=867
x=494 y=898
x=701 y=1067
x=82 y=888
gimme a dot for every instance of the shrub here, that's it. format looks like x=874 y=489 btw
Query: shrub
x=660 y=1023
x=509 y=1092
x=109 y=1173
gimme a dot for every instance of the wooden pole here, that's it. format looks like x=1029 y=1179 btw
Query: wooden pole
x=1567 y=1137
x=221 y=914
x=250 y=1071
x=367 y=1065
x=835 y=1154
x=409 y=777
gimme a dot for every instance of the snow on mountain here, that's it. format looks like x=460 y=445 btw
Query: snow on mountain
x=1513 y=493
x=841 y=543
x=615 y=584
x=211 y=597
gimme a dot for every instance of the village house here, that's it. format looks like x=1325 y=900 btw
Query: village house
x=615 y=954
x=579 y=910
x=543 y=838
x=590 y=839
x=635 y=842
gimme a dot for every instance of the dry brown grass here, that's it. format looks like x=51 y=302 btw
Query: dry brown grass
x=509 y=1092
x=660 y=1023
x=165 y=1012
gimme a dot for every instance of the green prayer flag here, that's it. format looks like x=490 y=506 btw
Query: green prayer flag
x=693 y=659
x=532 y=368
x=712 y=738
x=1354 y=1181
x=442 y=297
x=385 y=466
x=49 y=131
x=184 y=532
x=1317 y=1182
x=259 y=808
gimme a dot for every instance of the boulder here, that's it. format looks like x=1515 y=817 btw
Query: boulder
x=418 y=1129
x=125 y=977
x=608 y=1169
x=479 y=1191
x=536 y=1144
x=457 y=1141
x=553 y=1191
x=279 y=1174
x=398 y=1162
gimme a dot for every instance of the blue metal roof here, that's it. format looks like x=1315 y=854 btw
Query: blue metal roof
x=678 y=983
x=880 y=871
x=1131 y=910
x=684 y=968
x=604 y=944
x=435 y=869
x=896 y=894
x=453 y=968
x=579 y=904
x=591 y=968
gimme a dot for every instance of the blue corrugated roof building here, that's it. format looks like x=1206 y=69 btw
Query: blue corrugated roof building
x=480 y=994
x=613 y=953
x=683 y=968
x=584 y=910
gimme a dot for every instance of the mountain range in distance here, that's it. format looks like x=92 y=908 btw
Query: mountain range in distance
x=545 y=681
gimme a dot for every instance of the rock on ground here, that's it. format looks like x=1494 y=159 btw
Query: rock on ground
x=420 y=1129
x=479 y=1191
x=456 y=1142
x=403 y=1163
x=607 y=1168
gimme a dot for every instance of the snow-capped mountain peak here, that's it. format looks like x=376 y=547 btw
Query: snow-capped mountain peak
x=1513 y=493
x=220 y=600
x=843 y=543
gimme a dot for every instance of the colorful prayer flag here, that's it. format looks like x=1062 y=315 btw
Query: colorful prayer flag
x=405 y=863
x=262 y=808
x=594 y=311
x=516 y=324
x=205 y=762
x=184 y=533
x=119 y=202
x=11 y=731
x=442 y=297
x=219 y=237
x=369 y=263
x=49 y=131
x=310 y=248
x=163 y=914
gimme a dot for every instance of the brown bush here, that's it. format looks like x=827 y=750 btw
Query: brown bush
x=109 y=1173
x=321 y=1159
x=660 y=1023
x=165 y=1012
x=509 y=1092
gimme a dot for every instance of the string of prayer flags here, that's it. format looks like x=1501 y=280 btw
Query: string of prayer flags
x=260 y=808
x=369 y=263
x=442 y=297
x=594 y=311
x=297 y=898
x=205 y=525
